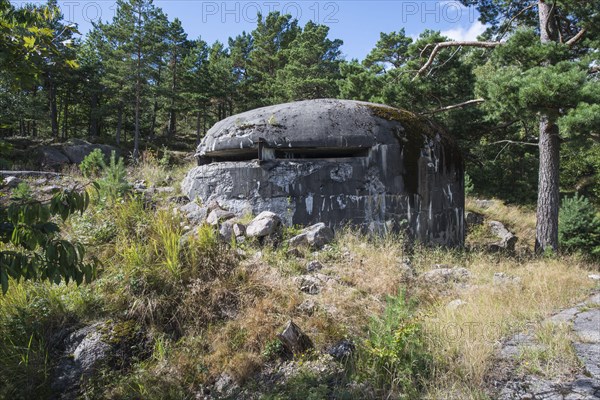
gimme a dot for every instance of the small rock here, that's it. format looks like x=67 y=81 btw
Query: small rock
x=314 y=266
x=265 y=224
x=501 y=278
x=217 y=216
x=310 y=284
x=443 y=275
x=194 y=213
x=239 y=229
x=139 y=186
x=50 y=189
x=456 y=304
x=406 y=270
x=226 y=231
x=342 y=350
x=485 y=203
x=294 y=340
x=12 y=181
x=240 y=252
x=473 y=219
x=307 y=307
x=594 y=277
x=315 y=236
x=225 y=385
x=507 y=238
x=84 y=349
x=164 y=189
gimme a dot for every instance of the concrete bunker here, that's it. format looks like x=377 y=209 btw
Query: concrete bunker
x=338 y=162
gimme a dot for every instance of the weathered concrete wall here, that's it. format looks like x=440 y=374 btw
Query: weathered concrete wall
x=365 y=167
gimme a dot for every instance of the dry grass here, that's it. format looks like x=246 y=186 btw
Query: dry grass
x=464 y=341
x=519 y=220
x=554 y=356
x=362 y=274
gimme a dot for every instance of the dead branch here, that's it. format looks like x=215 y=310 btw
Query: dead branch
x=454 y=106
x=443 y=45
x=571 y=42
x=513 y=142
x=514 y=17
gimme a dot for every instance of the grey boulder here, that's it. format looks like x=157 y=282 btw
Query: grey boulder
x=265 y=224
x=317 y=236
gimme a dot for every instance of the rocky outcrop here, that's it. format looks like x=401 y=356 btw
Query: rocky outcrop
x=511 y=382
x=86 y=350
x=57 y=156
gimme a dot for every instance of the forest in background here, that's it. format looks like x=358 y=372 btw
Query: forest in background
x=140 y=78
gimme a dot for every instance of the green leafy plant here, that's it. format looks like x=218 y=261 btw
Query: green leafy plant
x=579 y=226
x=166 y=157
x=273 y=349
x=93 y=164
x=22 y=192
x=394 y=357
x=35 y=250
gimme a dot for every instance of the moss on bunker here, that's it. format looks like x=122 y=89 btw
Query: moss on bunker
x=412 y=123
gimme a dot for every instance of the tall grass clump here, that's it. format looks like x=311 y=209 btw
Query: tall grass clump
x=394 y=357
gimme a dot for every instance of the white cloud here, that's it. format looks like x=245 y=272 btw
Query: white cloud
x=464 y=34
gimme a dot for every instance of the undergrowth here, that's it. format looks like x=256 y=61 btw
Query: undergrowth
x=204 y=308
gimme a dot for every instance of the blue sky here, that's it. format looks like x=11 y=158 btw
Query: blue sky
x=357 y=22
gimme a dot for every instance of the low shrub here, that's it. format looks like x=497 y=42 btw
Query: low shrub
x=113 y=184
x=22 y=192
x=93 y=164
x=394 y=358
x=579 y=226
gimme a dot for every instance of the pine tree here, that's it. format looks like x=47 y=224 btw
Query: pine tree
x=312 y=66
x=178 y=48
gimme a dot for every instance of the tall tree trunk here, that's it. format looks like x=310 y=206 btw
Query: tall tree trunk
x=65 y=116
x=155 y=108
x=172 y=112
x=197 y=127
x=34 y=133
x=546 y=237
x=136 y=137
x=93 y=130
x=119 y=124
x=53 y=108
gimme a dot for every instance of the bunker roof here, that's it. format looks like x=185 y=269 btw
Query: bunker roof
x=312 y=124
